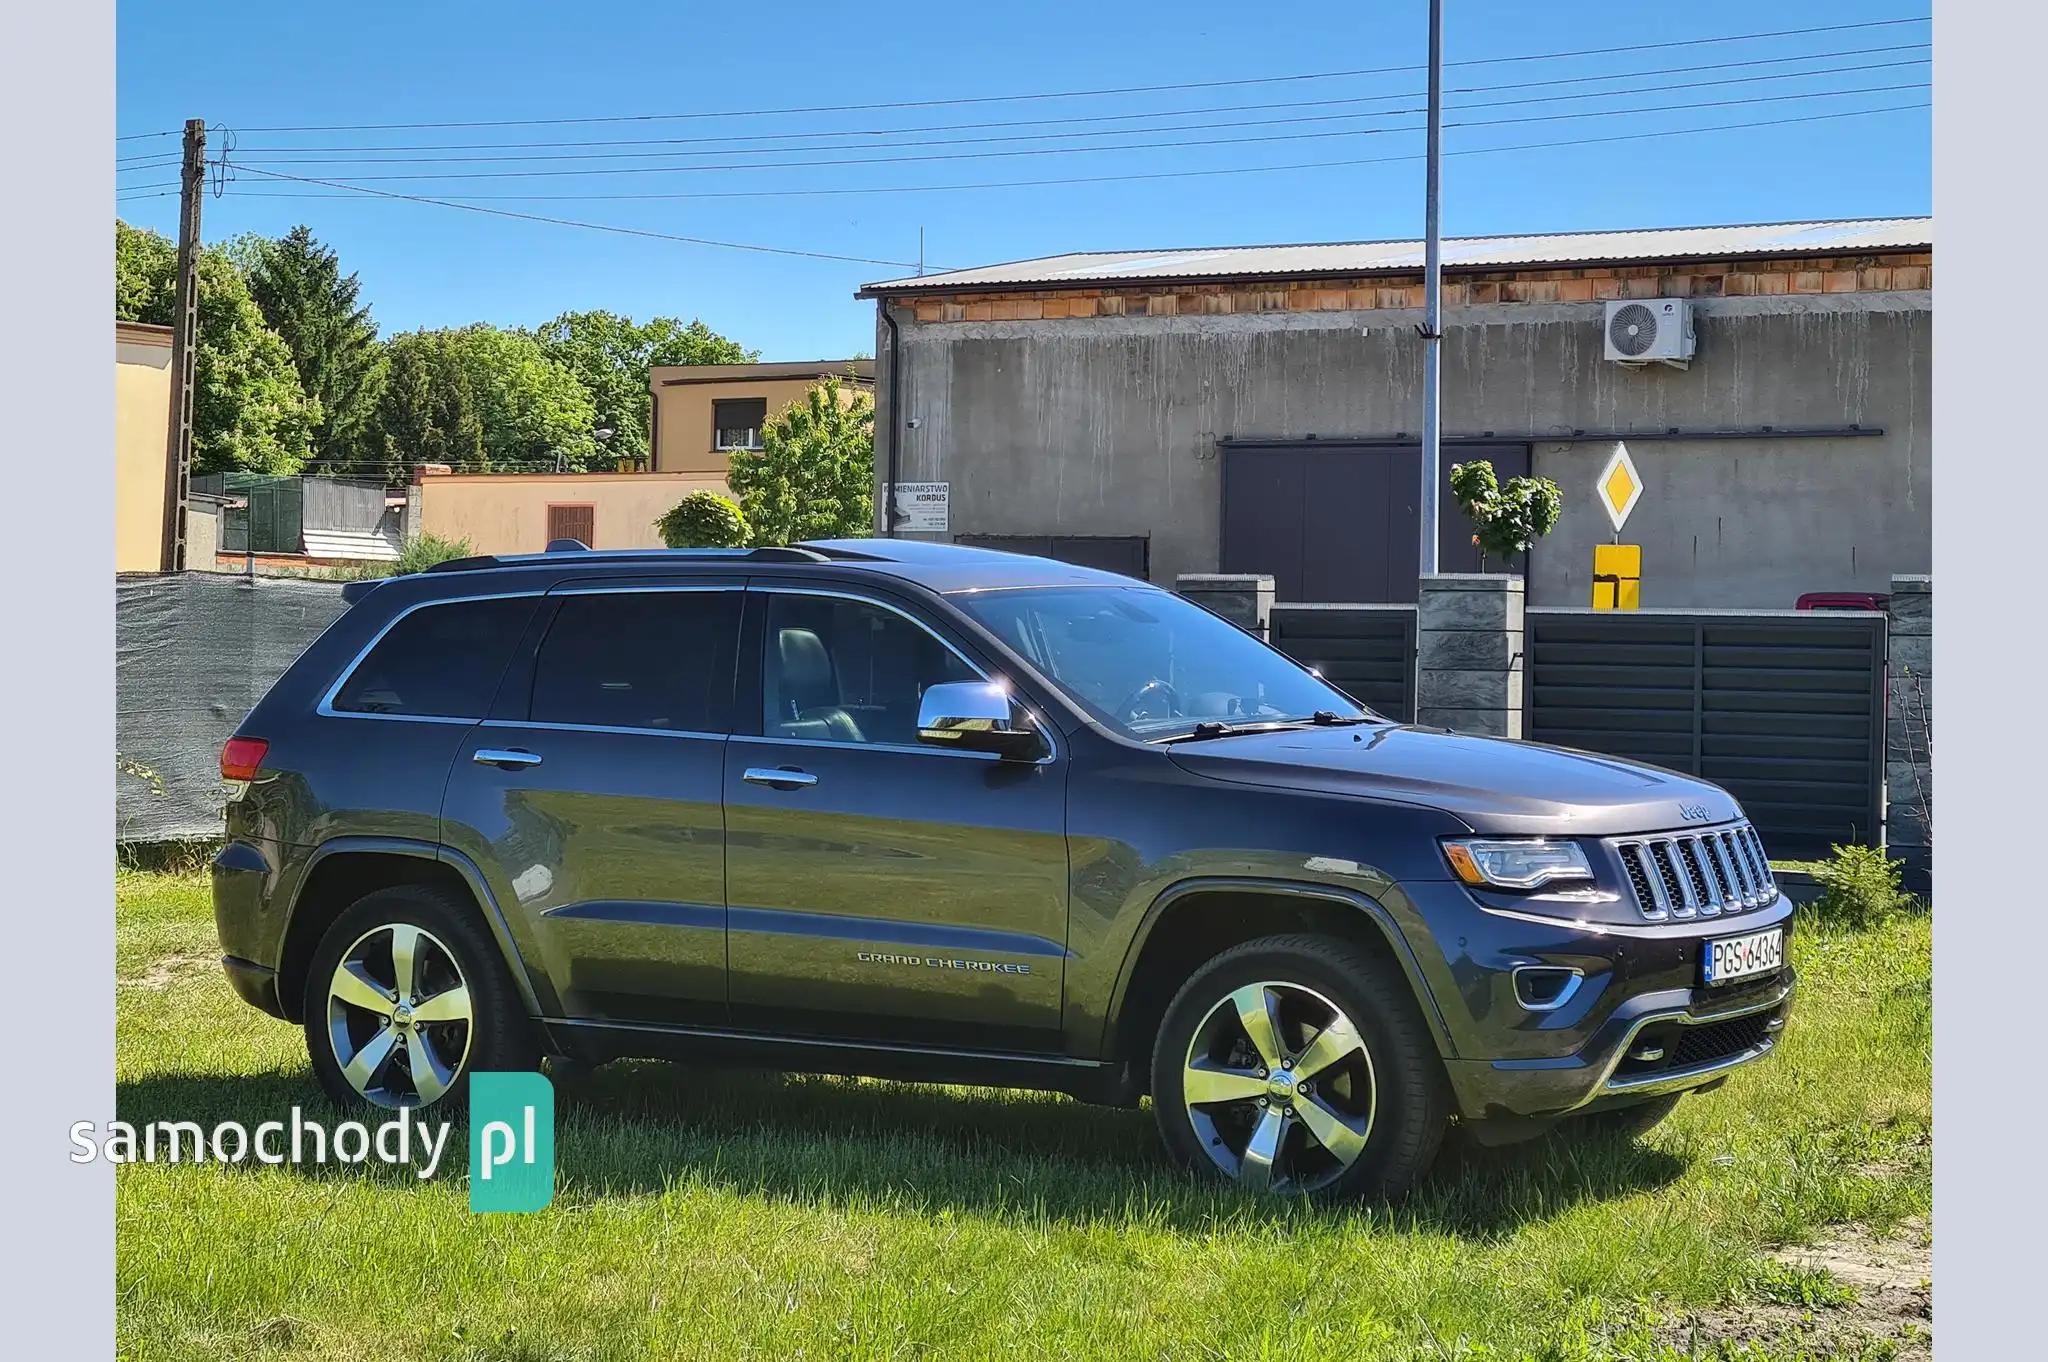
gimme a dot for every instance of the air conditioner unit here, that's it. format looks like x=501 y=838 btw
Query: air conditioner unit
x=1650 y=331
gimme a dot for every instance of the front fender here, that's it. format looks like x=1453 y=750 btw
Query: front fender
x=1385 y=916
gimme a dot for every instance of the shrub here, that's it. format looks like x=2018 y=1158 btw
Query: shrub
x=429 y=549
x=1507 y=519
x=1860 y=888
x=704 y=520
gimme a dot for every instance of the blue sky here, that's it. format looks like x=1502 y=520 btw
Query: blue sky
x=250 y=66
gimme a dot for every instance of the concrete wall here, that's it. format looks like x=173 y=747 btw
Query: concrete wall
x=507 y=512
x=142 y=421
x=1109 y=425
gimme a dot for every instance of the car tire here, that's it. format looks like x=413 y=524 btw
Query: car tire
x=1630 y=1122
x=1356 y=1104
x=461 y=1012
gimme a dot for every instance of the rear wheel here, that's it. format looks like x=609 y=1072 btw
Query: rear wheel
x=1298 y=1064
x=406 y=996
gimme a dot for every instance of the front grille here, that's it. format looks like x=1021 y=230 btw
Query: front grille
x=1690 y=1047
x=1697 y=874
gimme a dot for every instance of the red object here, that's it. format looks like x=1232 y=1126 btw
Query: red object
x=1843 y=600
x=242 y=758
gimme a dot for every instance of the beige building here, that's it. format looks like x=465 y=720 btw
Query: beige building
x=521 y=512
x=702 y=412
x=142 y=422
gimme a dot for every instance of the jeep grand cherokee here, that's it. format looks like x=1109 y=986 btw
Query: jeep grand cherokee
x=913 y=810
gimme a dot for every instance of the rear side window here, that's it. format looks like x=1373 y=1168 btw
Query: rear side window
x=644 y=659
x=440 y=661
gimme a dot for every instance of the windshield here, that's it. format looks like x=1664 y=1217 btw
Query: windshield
x=1150 y=664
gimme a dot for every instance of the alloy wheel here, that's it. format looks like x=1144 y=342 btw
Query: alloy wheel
x=399 y=1016
x=1278 y=1085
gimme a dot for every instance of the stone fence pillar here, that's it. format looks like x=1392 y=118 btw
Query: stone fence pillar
x=1243 y=598
x=1909 y=729
x=1468 y=653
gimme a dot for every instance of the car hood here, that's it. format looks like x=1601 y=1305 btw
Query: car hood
x=1493 y=784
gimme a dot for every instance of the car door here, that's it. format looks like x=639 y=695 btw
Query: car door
x=879 y=888
x=591 y=797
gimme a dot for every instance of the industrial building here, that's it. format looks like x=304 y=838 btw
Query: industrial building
x=1255 y=409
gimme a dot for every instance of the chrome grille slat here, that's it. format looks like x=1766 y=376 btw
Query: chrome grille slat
x=1687 y=875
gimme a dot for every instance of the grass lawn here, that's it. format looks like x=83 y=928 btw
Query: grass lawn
x=709 y=1214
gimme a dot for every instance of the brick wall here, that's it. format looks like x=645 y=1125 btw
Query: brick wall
x=1889 y=272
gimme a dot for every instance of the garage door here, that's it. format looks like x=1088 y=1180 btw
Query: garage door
x=1337 y=521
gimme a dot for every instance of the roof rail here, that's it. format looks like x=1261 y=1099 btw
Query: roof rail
x=561 y=547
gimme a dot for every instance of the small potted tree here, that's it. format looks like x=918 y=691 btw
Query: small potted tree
x=1505 y=520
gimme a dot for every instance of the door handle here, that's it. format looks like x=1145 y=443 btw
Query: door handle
x=779 y=778
x=505 y=758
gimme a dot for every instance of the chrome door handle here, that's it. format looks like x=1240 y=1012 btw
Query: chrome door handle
x=507 y=758
x=778 y=778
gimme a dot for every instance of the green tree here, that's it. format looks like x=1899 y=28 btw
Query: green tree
x=704 y=520
x=534 y=412
x=611 y=356
x=1506 y=520
x=426 y=411
x=814 y=476
x=249 y=411
x=313 y=307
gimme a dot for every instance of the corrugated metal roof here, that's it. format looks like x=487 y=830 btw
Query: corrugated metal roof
x=1550 y=250
x=363 y=545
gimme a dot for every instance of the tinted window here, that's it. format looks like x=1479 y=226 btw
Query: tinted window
x=1148 y=662
x=648 y=659
x=845 y=671
x=441 y=661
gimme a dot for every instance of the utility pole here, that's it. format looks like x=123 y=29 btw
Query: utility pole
x=1432 y=294
x=184 y=347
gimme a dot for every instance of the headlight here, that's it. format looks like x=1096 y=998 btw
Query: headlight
x=1516 y=863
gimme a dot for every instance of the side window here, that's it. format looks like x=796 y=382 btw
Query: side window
x=638 y=659
x=846 y=671
x=440 y=661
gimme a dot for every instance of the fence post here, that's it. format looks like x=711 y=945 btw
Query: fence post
x=1909 y=729
x=1468 y=652
x=1243 y=598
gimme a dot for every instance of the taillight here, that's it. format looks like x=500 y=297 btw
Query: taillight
x=242 y=758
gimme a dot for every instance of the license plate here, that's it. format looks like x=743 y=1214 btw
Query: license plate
x=1739 y=957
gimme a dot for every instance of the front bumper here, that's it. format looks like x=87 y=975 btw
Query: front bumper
x=1636 y=989
x=1696 y=1041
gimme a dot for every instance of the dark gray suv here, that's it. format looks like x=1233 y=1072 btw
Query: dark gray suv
x=912 y=810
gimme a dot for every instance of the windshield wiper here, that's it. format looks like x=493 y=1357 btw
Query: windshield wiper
x=1217 y=728
x=1330 y=718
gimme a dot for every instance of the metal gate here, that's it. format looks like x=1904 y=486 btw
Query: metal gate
x=1336 y=520
x=1366 y=651
x=1783 y=708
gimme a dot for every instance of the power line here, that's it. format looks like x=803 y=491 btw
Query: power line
x=135 y=136
x=1101 y=132
x=1118 y=117
x=1130 y=146
x=594 y=226
x=1079 y=94
x=469 y=201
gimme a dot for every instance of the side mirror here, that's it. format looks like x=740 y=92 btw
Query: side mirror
x=975 y=716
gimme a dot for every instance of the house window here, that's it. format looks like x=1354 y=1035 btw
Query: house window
x=574 y=521
x=736 y=422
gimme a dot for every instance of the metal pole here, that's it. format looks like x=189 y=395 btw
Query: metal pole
x=184 y=348
x=1432 y=294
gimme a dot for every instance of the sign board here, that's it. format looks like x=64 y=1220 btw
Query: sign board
x=1617 y=576
x=1619 y=487
x=924 y=506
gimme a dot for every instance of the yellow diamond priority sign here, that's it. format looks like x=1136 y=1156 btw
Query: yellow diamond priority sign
x=1620 y=487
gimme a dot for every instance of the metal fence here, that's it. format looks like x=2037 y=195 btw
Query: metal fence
x=1786 y=709
x=1367 y=651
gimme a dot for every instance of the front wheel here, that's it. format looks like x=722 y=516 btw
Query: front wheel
x=406 y=996
x=1299 y=1064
